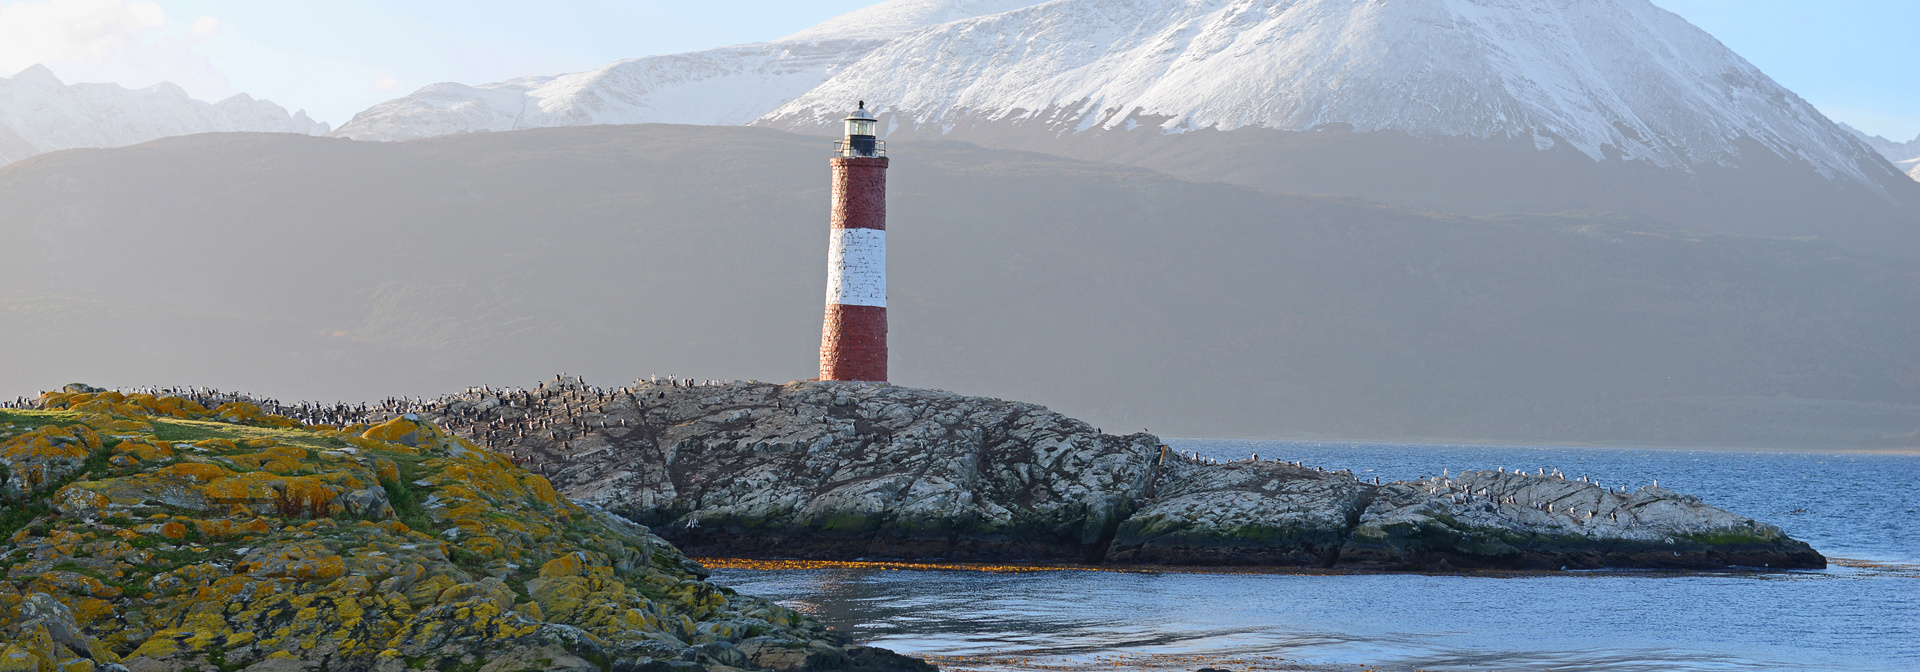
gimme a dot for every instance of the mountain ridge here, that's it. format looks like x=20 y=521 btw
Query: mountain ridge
x=39 y=113
x=1904 y=155
x=726 y=86
x=1574 y=73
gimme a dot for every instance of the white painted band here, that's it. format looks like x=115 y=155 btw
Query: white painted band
x=857 y=268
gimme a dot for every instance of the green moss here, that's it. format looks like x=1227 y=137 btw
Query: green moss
x=467 y=560
x=218 y=657
x=130 y=588
x=847 y=522
x=192 y=431
x=25 y=420
x=1729 y=537
x=18 y=515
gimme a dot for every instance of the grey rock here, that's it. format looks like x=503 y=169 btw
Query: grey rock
x=368 y=504
x=836 y=470
x=788 y=655
x=1245 y=512
x=842 y=470
x=723 y=653
x=1511 y=520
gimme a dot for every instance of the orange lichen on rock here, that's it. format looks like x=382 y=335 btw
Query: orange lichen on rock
x=197 y=472
x=144 y=450
x=277 y=459
x=335 y=549
x=42 y=456
x=173 y=530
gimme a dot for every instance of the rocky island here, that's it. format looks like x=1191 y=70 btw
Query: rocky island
x=544 y=528
x=153 y=533
x=830 y=470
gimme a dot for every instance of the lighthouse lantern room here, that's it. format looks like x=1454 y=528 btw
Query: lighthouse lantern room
x=853 y=337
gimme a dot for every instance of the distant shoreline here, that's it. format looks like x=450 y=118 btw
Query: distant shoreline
x=1913 y=451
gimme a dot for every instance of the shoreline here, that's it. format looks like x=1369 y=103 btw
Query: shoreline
x=1913 y=451
x=790 y=564
x=1153 y=662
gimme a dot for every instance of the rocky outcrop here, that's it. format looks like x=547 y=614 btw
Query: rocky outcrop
x=1249 y=512
x=1547 y=521
x=830 y=470
x=186 y=538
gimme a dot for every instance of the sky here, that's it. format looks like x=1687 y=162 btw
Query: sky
x=1853 y=59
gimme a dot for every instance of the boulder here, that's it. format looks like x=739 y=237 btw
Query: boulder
x=37 y=459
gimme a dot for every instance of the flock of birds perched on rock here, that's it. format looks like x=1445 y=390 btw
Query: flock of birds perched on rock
x=555 y=413
x=565 y=409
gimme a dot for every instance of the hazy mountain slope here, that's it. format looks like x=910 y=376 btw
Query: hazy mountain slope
x=1905 y=155
x=1476 y=106
x=39 y=113
x=1894 y=151
x=727 y=86
x=341 y=269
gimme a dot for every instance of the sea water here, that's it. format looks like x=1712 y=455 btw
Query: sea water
x=1861 y=614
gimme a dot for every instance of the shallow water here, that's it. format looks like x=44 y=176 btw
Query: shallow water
x=1862 y=617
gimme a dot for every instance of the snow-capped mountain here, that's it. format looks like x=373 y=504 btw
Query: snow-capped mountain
x=39 y=113
x=887 y=20
x=1608 y=77
x=726 y=86
x=1905 y=155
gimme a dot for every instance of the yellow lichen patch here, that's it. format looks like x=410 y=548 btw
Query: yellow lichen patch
x=237 y=412
x=71 y=583
x=116 y=426
x=249 y=489
x=265 y=541
x=305 y=496
x=43 y=456
x=541 y=488
x=398 y=430
x=173 y=530
x=571 y=564
x=86 y=610
x=51 y=442
x=385 y=470
x=217 y=445
x=227 y=529
x=268 y=461
x=144 y=450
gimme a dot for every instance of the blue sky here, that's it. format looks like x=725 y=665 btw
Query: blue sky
x=1854 y=59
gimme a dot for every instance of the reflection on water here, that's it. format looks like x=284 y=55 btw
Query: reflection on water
x=1853 y=616
x=1845 y=618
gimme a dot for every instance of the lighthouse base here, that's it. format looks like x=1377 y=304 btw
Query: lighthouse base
x=853 y=343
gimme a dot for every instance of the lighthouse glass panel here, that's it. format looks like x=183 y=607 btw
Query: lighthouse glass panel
x=860 y=127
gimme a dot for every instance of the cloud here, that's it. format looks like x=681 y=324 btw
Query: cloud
x=205 y=28
x=383 y=83
x=129 y=42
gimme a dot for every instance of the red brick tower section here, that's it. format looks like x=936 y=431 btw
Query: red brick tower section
x=853 y=338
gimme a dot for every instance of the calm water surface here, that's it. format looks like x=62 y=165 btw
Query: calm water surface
x=1859 y=616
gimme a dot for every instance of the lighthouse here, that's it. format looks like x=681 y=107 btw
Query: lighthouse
x=853 y=338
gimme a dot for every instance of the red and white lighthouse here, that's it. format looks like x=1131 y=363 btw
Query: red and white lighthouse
x=853 y=340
